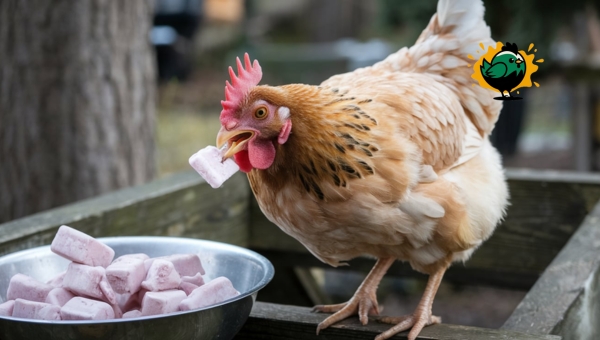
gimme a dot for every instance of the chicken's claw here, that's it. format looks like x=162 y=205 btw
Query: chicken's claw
x=422 y=315
x=416 y=321
x=328 y=308
x=363 y=303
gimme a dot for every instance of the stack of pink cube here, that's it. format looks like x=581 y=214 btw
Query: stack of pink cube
x=96 y=287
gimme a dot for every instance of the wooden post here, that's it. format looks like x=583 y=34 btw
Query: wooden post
x=581 y=320
x=563 y=287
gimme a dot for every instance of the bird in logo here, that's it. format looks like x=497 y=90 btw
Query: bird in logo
x=505 y=71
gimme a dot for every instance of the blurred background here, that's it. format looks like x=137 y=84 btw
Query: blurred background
x=554 y=127
x=96 y=96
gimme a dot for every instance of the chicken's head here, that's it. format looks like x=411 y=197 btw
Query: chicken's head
x=251 y=125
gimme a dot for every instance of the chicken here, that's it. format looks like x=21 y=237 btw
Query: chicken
x=391 y=161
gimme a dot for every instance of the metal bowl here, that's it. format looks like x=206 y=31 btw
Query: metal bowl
x=247 y=270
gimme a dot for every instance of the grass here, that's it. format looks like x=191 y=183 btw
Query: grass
x=181 y=134
x=187 y=119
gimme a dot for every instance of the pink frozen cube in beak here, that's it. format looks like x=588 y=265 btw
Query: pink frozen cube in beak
x=80 y=308
x=84 y=280
x=6 y=308
x=162 y=302
x=215 y=291
x=81 y=248
x=209 y=163
x=25 y=287
x=59 y=296
x=161 y=276
x=126 y=274
x=35 y=310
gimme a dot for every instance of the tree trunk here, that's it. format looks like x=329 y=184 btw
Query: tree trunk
x=77 y=88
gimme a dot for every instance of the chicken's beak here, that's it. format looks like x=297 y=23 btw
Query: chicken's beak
x=518 y=61
x=236 y=139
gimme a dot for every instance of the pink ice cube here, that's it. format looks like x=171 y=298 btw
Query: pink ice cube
x=138 y=256
x=215 y=291
x=50 y=313
x=126 y=274
x=35 y=310
x=59 y=296
x=196 y=279
x=128 y=301
x=185 y=264
x=141 y=294
x=84 y=280
x=57 y=280
x=134 y=313
x=162 y=302
x=80 y=308
x=81 y=248
x=25 y=287
x=6 y=308
x=209 y=163
x=109 y=294
x=161 y=276
x=187 y=287
x=117 y=310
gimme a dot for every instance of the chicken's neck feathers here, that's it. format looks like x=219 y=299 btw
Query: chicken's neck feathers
x=330 y=143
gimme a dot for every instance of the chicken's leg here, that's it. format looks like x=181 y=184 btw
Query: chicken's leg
x=362 y=303
x=422 y=315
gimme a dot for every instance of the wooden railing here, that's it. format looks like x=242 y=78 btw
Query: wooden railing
x=548 y=244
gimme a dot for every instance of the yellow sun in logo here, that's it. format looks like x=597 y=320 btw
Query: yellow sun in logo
x=531 y=66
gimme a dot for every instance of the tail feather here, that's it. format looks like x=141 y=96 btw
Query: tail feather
x=464 y=20
x=443 y=48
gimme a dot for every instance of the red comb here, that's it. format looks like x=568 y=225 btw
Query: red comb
x=240 y=85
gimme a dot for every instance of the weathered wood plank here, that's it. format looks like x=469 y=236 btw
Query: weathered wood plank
x=546 y=209
x=178 y=205
x=544 y=308
x=581 y=320
x=273 y=322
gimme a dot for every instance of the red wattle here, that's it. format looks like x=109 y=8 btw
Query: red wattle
x=243 y=161
x=261 y=153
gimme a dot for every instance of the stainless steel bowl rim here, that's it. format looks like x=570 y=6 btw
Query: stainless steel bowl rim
x=268 y=267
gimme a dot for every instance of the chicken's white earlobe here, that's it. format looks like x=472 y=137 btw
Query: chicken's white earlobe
x=283 y=113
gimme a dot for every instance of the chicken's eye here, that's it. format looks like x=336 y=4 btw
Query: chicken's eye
x=511 y=60
x=260 y=113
